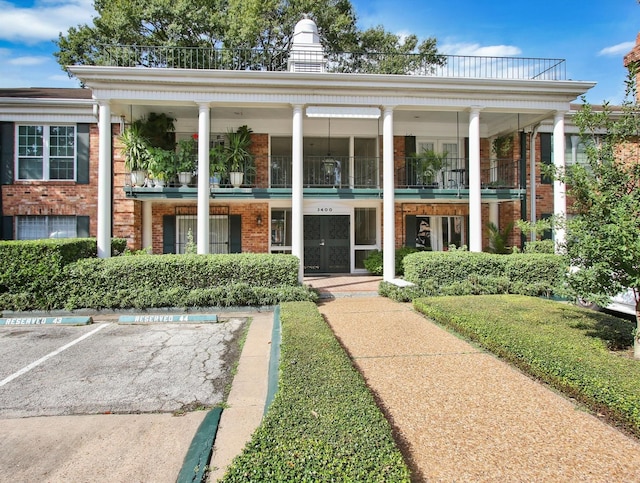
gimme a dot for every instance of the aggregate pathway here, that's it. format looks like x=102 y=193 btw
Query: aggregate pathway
x=461 y=414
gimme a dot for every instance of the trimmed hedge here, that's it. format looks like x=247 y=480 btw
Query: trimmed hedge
x=323 y=424
x=570 y=348
x=32 y=270
x=374 y=264
x=185 y=271
x=148 y=281
x=470 y=273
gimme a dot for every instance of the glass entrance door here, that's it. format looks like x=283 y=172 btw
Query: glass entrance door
x=326 y=244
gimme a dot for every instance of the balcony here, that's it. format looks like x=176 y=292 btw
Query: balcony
x=328 y=172
x=476 y=67
x=494 y=174
x=343 y=176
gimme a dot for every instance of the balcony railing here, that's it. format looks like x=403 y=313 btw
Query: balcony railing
x=494 y=174
x=328 y=172
x=344 y=172
x=344 y=62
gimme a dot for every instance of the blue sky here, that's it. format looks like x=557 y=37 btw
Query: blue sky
x=592 y=35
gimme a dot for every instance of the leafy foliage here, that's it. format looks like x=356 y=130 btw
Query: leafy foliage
x=498 y=239
x=243 y=24
x=565 y=346
x=31 y=272
x=373 y=262
x=470 y=273
x=323 y=424
x=603 y=239
x=125 y=282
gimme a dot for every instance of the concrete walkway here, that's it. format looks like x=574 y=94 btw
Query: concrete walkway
x=460 y=414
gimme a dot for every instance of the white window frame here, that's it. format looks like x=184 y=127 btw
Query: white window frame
x=46 y=152
x=68 y=223
x=214 y=238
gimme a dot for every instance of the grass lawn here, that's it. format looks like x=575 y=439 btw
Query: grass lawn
x=323 y=424
x=584 y=354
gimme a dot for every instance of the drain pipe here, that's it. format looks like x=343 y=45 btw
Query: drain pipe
x=532 y=174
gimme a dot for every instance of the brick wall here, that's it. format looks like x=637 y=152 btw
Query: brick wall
x=127 y=213
x=633 y=57
x=425 y=209
x=57 y=198
x=255 y=239
x=260 y=150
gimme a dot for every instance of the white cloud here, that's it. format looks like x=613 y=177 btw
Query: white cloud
x=617 y=50
x=48 y=75
x=28 y=61
x=477 y=49
x=44 y=20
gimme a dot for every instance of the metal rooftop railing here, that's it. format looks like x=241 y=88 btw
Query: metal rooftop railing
x=351 y=63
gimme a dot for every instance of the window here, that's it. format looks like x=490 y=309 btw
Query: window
x=366 y=234
x=366 y=174
x=281 y=230
x=187 y=231
x=366 y=226
x=37 y=227
x=46 y=152
x=435 y=233
x=574 y=152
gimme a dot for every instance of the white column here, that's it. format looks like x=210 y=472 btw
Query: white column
x=203 y=178
x=297 y=199
x=559 y=189
x=475 y=194
x=147 y=224
x=104 y=181
x=388 y=201
x=494 y=214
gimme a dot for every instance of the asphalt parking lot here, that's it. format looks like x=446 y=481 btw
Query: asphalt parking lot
x=113 y=384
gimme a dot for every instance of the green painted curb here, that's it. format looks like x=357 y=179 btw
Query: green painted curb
x=197 y=458
x=46 y=321
x=274 y=359
x=167 y=319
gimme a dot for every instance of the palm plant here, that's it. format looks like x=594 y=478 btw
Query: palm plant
x=498 y=238
x=136 y=149
x=237 y=149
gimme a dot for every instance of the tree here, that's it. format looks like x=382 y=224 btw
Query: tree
x=603 y=238
x=264 y=25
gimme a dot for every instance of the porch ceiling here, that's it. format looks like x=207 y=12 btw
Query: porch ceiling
x=493 y=123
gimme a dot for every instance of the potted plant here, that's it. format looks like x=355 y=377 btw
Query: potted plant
x=158 y=129
x=217 y=165
x=136 y=154
x=237 y=154
x=428 y=165
x=186 y=159
x=162 y=166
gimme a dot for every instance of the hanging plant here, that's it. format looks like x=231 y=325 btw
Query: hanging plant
x=502 y=145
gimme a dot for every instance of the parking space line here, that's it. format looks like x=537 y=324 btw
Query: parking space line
x=26 y=369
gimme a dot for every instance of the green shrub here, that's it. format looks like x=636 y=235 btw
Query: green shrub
x=445 y=268
x=567 y=347
x=161 y=281
x=33 y=269
x=407 y=294
x=539 y=246
x=374 y=264
x=469 y=273
x=478 y=285
x=323 y=424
